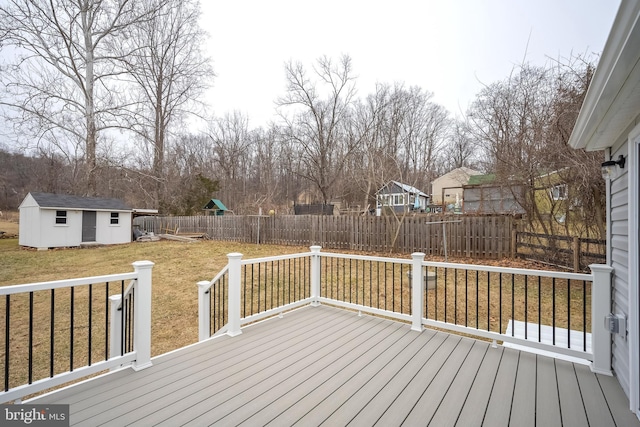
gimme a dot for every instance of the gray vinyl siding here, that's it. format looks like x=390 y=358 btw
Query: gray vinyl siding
x=620 y=262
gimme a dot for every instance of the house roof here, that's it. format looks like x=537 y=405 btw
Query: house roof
x=482 y=179
x=68 y=201
x=613 y=99
x=405 y=188
x=215 y=204
x=461 y=174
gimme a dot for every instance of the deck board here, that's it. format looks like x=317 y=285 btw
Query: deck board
x=523 y=409
x=328 y=366
x=499 y=408
x=547 y=398
x=571 y=403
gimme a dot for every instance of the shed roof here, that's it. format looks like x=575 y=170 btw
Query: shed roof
x=405 y=188
x=215 y=204
x=68 y=201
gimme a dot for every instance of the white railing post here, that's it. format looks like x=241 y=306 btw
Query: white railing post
x=142 y=315
x=417 y=291
x=204 y=310
x=115 y=326
x=235 y=273
x=600 y=308
x=315 y=275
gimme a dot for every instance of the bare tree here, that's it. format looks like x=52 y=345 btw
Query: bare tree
x=460 y=149
x=232 y=147
x=523 y=124
x=169 y=72
x=59 y=87
x=317 y=126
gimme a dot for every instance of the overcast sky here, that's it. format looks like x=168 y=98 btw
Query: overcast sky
x=448 y=47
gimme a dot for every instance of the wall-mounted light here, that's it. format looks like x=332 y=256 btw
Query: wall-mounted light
x=609 y=168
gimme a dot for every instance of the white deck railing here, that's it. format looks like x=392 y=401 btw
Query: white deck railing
x=425 y=293
x=37 y=314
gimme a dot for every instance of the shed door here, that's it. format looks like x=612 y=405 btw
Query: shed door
x=88 y=226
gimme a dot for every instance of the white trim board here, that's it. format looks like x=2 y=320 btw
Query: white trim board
x=633 y=161
x=546 y=337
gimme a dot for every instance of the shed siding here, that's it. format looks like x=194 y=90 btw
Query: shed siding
x=60 y=235
x=108 y=234
x=29 y=226
x=620 y=262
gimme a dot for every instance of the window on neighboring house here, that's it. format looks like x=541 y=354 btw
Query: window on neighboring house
x=398 y=199
x=115 y=218
x=559 y=192
x=61 y=217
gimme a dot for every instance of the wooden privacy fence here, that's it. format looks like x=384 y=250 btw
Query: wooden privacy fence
x=462 y=236
x=563 y=251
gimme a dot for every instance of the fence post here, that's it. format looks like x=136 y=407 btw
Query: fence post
x=115 y=326
x=142 y=315
x=204 y=310
x=235 y=273
x=600 y=308
x=576 y=254
x=315 y=275
x=418 y=282
x=514 y=242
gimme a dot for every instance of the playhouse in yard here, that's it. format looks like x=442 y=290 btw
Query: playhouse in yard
x=62 y=220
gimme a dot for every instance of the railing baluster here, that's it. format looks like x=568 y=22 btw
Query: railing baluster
x=584 y=315
x=401 y=287
x=289 y=279
x=455 y=295
x=393 y=286
x=52 y=323
x=357 y=282
x=500 y=311
x=122 y=326
x=488 y=301
x=90 y=323
x=477 y=297
x=568 y=313
x=272 y=284
x=445 y=294
x=539 y=309
x=7 y=322
x=71 y=331
x=30 y=373
x=526 y=305
x=371 y=283
x=513 y=304
x=244 y=292
x=106 y=321
x=466 y=298
x=553 y=310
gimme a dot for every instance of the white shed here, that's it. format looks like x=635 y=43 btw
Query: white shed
x=61 y=220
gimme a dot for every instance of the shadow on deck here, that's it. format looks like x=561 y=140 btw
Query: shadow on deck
x=322 y=365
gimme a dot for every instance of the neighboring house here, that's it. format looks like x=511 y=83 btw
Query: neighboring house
x=61 y=220
x=483 y=195
x=610 y=120
x=448 y=188
x=401 y=198
x=552 y=195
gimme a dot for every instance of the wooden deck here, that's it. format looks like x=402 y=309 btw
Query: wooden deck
x=322 y=365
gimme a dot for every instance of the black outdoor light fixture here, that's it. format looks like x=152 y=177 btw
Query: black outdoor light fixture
x=609 y=169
